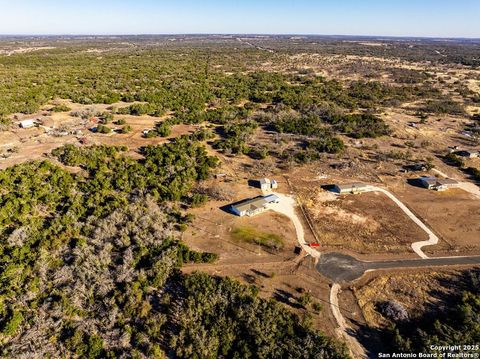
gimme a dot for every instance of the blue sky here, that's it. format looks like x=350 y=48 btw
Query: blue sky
x=434 y=18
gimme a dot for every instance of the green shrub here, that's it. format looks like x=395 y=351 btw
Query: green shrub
x=305 y=299
x=328 y=144
x=235 y=136
x=103 y=129
x=360 y=125
x=61 y=108
x=151 y=134
x=4 y=122
x=126 y=129
x=13 y=323
x=198 y=200
x=164 y=129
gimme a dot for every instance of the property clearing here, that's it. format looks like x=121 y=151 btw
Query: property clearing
x=252 y=235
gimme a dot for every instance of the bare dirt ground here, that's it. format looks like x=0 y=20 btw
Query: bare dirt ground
x=212 y=231
x=369 y=223
x=24 y=50
x=212 y=227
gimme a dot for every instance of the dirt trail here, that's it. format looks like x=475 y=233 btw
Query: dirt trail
x=344 y=330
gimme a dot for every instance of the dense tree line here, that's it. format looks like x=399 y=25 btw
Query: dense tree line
x=291 y=122
x=359 y=125
x=171 y=80
x=321 y=120
x=445 y=106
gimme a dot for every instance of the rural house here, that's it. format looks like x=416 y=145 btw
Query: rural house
x=437 y=184
x=352 y=188
x=253 y=206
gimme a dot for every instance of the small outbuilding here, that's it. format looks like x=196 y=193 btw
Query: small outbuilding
x=266 y=184
x=27 y=123
x=252 y=206
x=351 y=188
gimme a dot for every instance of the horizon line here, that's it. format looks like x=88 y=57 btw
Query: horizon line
x=241 y=34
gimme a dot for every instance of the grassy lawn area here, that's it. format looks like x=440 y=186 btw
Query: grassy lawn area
x=252 y=235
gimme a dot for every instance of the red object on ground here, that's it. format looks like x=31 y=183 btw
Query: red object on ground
x=314 y=245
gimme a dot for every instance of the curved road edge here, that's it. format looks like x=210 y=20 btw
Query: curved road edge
x=286 y=206
x=417 y=246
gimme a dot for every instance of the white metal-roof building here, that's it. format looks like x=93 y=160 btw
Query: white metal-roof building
x=267 y=184
x=352 y=188
x=253 y=206
x=438 y=184
x=27 y=123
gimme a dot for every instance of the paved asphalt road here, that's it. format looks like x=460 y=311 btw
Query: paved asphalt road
x=343 y=268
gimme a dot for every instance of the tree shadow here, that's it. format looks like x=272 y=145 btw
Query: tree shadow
x=372 y=339
x=286 y=298
x=261 y=274
x=249 y=278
